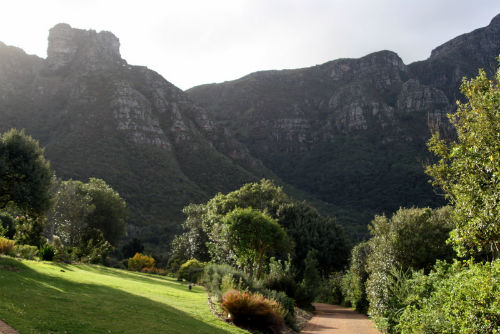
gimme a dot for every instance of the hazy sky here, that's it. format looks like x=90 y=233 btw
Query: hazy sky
x=191 y=42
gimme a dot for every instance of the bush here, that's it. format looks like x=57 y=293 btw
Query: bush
x=140 y=261
x=29 y=231
x=253 y=311
x=6 y=245
x=25 y=251
x=330 y=290
x=7 y=225
x=93 y=247
x=463 y=299
x=286 y=303
x=47 y=253
x=215 y=274
x=353 y=283
x=191 y=271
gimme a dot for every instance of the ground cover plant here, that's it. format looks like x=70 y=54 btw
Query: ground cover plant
x=41 y=297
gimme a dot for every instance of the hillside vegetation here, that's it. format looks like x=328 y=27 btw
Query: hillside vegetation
x=42 y=297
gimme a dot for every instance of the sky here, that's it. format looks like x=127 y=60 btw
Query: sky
x=193 y=42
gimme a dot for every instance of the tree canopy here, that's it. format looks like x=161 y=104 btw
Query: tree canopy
x=468 y=169
x=25 y=174
x=251 y=235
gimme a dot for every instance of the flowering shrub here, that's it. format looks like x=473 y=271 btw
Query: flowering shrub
x=140 y=261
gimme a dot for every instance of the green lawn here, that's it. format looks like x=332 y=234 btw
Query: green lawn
x=46 y=297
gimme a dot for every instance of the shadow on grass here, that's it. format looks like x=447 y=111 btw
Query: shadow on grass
x=34 y=302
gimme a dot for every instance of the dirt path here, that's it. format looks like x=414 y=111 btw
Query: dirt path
x=6 y=329
x=334 y=319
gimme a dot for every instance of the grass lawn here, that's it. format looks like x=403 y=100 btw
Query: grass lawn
x=46 y=297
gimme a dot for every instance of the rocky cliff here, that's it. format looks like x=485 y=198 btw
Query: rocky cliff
x=353 y=131
x=98 y=116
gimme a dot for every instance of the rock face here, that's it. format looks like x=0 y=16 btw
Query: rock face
x=353 y=131
x=97 y=116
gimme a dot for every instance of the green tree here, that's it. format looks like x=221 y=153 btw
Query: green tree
x=25 y=175
x=68 y=216
x=469 y=167
x=252 y=235
x=110 y=210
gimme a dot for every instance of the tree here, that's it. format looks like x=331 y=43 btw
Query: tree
x=68 y=216
x=25 y=175
x=110 y=210
x=252 y=235
x=309 y=230
x=469 y=167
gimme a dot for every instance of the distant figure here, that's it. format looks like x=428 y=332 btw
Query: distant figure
x=190 y=287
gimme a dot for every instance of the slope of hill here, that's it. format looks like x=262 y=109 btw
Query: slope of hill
x=352 y=131
x=42 y=297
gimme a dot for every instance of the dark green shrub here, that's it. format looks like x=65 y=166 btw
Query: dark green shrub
x=354 y=280
x=7 y=225
x=29 y=231
x=330 y=290
x=191 y=271
x=47 y=253
x=253 y=311
x=463 y=299
x=93 y=247
x=25 y=251
x=287 y=304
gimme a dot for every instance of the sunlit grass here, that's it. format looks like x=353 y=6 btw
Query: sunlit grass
x=43 y=297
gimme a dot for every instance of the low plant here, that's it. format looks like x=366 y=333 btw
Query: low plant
x=6 y=245
x=253 y=311
x=25 y=251
x=47 y=252
x=213 y=278
x=154 y=270
x=140 y=261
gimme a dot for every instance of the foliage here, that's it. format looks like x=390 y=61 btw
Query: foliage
x=330 y=289
x=93 y=247
x=309 y=230
x=140 y=261
x=7 y=225
x=25 y=251
x=52 y=291
x=252 y=235
x=6 y=246
x=205 y=231
x=354 y=280
x=312 y=276
x=253 y=311
x=463 y=299
x=68 y=217
x=29 y=230
x=132 y=247
x=217 y=276
x=469 y=167
x=47 y=252
x=410 y=239
x=25 y=175
x=191 y=271
x=110 y=210
x=82 y=206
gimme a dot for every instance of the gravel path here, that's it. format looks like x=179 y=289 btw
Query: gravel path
x=334 y=319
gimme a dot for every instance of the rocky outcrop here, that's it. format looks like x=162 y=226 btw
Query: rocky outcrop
x=91 y=50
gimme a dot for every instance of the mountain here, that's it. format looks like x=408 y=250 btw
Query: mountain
x=353 y=132
x=98 y=116
x=349 y=134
